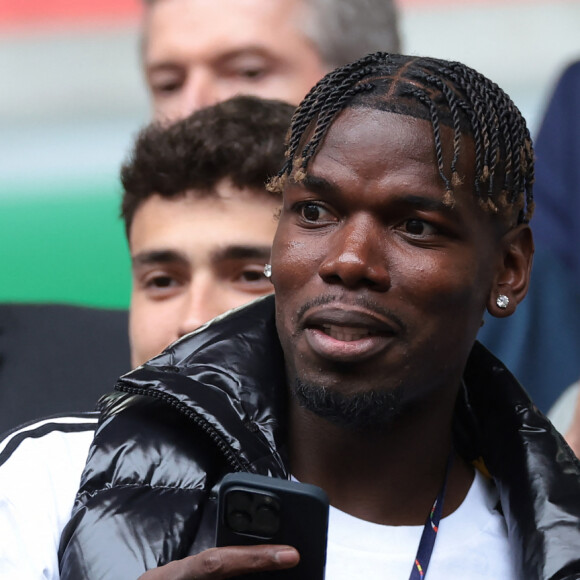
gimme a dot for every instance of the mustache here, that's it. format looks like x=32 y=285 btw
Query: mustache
x=360 y=301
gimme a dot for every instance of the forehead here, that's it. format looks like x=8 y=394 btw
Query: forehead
x=222 y=26
x=385 y=154
x=383 y=142
x=194 y=221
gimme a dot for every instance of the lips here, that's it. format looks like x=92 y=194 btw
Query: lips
x=348 y=333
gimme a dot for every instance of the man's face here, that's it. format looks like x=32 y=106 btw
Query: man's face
x=194 y=258
x=380 y=286
x=199 y=52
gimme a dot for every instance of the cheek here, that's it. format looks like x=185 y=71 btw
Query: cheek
x=167 y=109
x=292 y=267
x=442 y=286
x=293 y=87
x=151 y=329
x=293 y=262
x=468 y=282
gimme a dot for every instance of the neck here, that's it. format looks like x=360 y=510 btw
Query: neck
x=389 y=475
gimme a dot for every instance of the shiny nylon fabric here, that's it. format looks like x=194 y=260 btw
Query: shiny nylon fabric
x=537 y=474
x=214 y=402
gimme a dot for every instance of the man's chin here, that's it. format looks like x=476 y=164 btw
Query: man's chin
x=360 y=411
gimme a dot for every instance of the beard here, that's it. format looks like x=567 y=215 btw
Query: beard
x=359 y=411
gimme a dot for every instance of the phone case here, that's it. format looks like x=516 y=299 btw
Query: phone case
x=255 y=509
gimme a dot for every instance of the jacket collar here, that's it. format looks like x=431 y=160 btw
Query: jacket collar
x=229 y=375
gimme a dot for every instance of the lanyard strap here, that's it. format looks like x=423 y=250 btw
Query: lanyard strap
x=427 y=543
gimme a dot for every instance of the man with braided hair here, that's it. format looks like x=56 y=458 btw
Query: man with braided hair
x=407 y=193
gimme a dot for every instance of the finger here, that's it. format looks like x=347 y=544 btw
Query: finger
x=222 y=563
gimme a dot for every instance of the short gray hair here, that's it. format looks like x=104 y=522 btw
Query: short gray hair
x=346 y=30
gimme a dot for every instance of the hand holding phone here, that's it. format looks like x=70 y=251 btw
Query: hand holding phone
x=255 y=509
x=232 y=562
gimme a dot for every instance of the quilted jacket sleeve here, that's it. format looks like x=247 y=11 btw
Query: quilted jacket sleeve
x=141 y=496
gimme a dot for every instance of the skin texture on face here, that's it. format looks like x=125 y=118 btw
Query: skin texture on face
x=199 y=52
x=194 y=258
x=380 y=285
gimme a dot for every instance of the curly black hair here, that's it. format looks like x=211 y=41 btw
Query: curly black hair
x=241 y=139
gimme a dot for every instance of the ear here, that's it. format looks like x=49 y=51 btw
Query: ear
x=513 y=276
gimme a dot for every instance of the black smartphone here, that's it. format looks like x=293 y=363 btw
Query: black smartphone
x=256 y=509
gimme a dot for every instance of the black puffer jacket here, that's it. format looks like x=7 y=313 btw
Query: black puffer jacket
x=215 y=402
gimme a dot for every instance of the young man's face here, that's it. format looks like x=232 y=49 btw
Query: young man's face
x=199 y=52
x=380 y=286
x=194 y=258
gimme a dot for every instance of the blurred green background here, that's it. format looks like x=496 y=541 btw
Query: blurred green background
x=64 y=242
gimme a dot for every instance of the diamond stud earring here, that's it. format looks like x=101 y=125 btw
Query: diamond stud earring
x=268 y=270
x=502 y=301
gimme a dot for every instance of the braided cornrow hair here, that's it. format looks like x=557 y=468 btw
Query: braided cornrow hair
x=442 y=92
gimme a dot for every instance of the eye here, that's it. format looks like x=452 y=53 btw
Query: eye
x=253 y=276
x=312 y=212
x=252 y=73
x=417 y=227
x=159 y=286
x=166 y=88
x=160 y=282
x=251 y=279
x=166 y=81
x=248 y=67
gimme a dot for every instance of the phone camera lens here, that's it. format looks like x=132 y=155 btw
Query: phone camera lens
x=238 y=515
x=239 y=521
x=266 y=520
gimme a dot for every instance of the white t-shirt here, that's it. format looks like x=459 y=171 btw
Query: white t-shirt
x=471 y=543
x=40 y=470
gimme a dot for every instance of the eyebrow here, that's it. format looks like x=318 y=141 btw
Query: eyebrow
x=232 y=252
x=158 y=257
x=161 y=65
x=317 y=184
x=245 y=50
x=321 y=185
x=241 y=52
x=427 y=203
x=241 y=252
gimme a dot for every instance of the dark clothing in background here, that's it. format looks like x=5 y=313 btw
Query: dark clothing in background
x=540 y=342
x=557 y=185
x=58 y=358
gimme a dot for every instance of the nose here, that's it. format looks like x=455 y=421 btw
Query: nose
x=199 y=91
x=203 y=302
x=355 y=258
